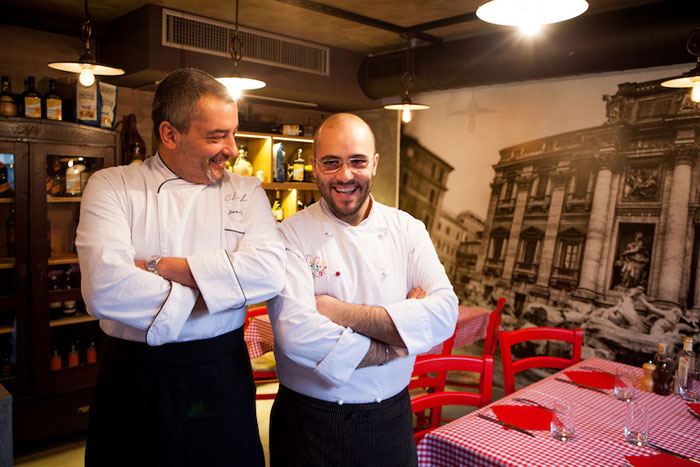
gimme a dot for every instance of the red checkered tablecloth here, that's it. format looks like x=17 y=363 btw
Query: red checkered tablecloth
x=471 y=327
x=599 y=437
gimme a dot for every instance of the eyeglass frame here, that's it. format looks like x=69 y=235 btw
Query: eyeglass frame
x=320 y=164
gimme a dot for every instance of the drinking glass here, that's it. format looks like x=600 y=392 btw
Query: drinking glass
x=636 y=423
x=563 y=420
x=624 y=384
x=690 y=389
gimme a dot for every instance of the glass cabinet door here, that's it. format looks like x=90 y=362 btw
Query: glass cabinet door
x=68 y=339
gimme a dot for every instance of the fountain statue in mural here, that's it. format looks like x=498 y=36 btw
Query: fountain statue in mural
x=634 y=260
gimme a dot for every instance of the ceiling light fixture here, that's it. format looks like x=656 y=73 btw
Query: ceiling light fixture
x=406 y=104
x=86 y=65
x=235 y=83
x=689 y=79
x=530 y=15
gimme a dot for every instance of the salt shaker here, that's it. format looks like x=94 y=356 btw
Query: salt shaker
x=647 y=382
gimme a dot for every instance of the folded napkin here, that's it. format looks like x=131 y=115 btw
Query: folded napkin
x=656 y=460
x=524 y=416
x=694 y=406
x=594 y=379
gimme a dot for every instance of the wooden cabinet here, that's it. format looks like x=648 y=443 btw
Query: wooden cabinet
x=55 y=345
x=262 y=149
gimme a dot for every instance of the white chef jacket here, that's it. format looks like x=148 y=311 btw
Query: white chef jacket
x=227 y=233
x=374 y=263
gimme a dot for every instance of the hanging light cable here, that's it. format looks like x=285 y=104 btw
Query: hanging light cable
x=689 y=79
x=530 y=15
x=86 y=65
x=235 y=83
x=406 y=104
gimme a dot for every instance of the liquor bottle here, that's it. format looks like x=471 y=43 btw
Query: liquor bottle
x=73 y=357
x=73 y=171
x=31 y=99
x=91 y=353
x=53 y=104
x=277 y=208
x=242 y=166
x=56 y=180
x=133 y=145
x=686 y=361
x=10 y=230
x=664 y=372
x=298 y=167
x=55 y=362
x=8 y=106
x=279 y=169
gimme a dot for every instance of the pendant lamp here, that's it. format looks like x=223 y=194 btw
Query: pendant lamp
x=86 y=65
x=235 y=83
x=689 y=79
x=406 y=104
x=530 y=15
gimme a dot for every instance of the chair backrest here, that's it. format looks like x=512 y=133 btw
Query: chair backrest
x=440 y=365
x=252 y=313
x=508 y=339
x=493 y=328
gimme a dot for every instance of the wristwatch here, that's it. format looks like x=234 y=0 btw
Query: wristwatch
x=152 y=263
x=386 y=350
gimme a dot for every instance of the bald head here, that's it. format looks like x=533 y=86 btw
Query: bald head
x=344 y=121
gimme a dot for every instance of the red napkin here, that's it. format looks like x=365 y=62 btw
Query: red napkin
x=594 y=379
x=694 y=406
x=524 y=416
x=656 y=460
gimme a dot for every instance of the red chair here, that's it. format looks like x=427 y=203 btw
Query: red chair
x=264 y=367
x=471 y=380
x=438 y=399
x=510 y=367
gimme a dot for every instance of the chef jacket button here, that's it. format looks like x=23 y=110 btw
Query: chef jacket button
x=341 y=402
x=378 y=400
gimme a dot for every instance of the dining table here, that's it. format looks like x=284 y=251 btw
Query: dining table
x=599 y=438
x=471 y=326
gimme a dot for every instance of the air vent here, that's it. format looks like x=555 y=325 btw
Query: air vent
x=184 y=31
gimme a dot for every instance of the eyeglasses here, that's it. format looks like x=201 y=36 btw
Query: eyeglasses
x=329 y=166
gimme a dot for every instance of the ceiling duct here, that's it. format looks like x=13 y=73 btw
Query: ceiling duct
x=640 y=37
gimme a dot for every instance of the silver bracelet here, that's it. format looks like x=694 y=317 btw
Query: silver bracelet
x=386 y=350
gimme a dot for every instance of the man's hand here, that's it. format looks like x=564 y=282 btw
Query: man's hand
x=416 y=292
x=173 y=269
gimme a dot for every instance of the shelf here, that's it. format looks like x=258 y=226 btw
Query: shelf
x=63 y=199
x=295 y=139
x=77 y=319
x=64 y=294
x=7 y=329
x=304 y=186
x=7 y=263
x=7 y=200
x=63 y=258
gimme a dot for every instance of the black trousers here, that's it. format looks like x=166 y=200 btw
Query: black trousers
x=309 y=432
x=180 y=404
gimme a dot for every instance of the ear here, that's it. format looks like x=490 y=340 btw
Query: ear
x=375 y=162
x=168 y=134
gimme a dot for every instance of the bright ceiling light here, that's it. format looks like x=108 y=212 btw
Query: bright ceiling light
x=689 y=79
x=530 y=15
x=235 y=83
x=86 y=65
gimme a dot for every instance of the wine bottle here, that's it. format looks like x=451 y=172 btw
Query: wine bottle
x=277 y=208
x=53 y=104
x=298 y=167
x=31 y=99
x=663 y=372
x=8 y=106
x=686 y=362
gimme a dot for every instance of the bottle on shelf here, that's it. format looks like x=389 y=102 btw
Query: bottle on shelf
x=73 y=357
x=298 y=167
x=685 y=362
x=53 y=104
x=91 y=353
x=55 y=362
x=73 y=171
x=133 y=145
x=56 y=179
x=8 y=106
x=663 y=374
x=242 y=166
x=31 y=99
x=300 y=203
x=10 y=230
x=279 y=165
x=277 y=208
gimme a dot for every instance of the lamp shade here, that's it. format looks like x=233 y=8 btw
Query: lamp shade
x=530 y=13
x=236 y=85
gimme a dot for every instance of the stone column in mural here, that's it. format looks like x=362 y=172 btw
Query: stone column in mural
x=590 y=267
x=676 y=225
x=559 y=180
x=496 y=187
x=523 y=182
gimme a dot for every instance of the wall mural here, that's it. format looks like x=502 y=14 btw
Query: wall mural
x=592 y=225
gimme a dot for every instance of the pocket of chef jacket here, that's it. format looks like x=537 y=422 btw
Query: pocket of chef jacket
x=233 y=233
